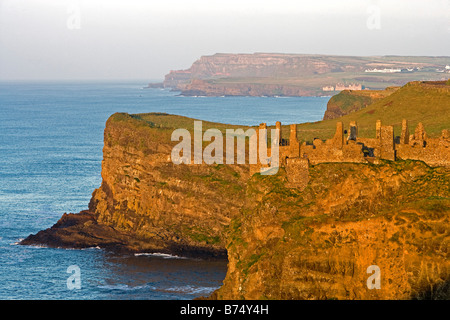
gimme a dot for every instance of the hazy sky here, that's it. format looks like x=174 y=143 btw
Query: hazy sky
x=144 y=39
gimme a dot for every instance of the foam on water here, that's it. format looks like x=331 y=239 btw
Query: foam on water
x=160 y=255
x=192 y=290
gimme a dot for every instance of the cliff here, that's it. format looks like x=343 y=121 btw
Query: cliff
x=212 y=88
x=146 y=203
x=308 y=232
x=319 y=242
x=349 y=101
x=275 y=74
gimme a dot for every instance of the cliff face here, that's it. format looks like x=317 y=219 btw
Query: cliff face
x=261 y=65
x=146 y=203
x=319 y=243
x=252 y=65
x=205 y=88
x=145 y=194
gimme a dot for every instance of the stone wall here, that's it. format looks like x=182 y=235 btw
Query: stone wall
x=434 y=152
x=336 y=149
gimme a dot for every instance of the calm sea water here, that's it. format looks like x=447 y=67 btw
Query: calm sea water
x=51 y=139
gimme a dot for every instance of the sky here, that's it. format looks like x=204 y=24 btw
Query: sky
x=145 y=39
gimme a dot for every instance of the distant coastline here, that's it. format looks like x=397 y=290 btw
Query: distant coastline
x=274 y=74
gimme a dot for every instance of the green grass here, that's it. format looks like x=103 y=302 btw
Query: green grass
x=170 y=121
x=415 y=102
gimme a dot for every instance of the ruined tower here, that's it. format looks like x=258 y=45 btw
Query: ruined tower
x=387 y=150
x=294 y=145
x=378 y=129
x=338 y=139
x=404 y=138
x=419 y=138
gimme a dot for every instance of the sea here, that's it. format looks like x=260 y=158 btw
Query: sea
x=51 y=139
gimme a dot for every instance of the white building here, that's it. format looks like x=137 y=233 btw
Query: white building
x=385 y=70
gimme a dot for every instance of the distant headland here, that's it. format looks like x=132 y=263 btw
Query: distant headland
x=276 y=74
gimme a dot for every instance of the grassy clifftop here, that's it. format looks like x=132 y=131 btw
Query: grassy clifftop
x=426 y=102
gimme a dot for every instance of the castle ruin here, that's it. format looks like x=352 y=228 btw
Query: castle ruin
x=346 y=146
